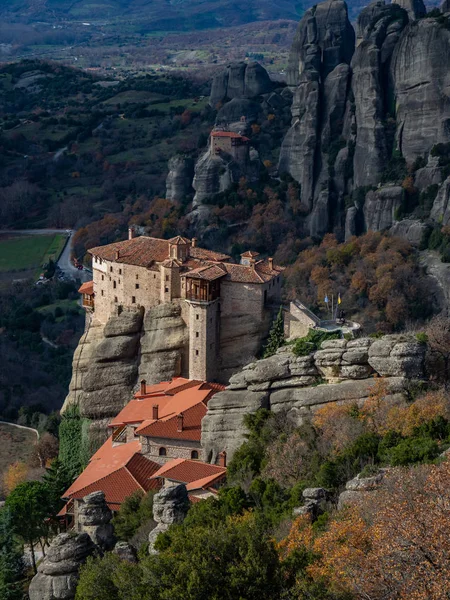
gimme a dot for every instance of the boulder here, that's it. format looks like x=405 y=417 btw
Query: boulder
x=126 y=552
x=57 y=575
x=398 y=356
x=170 y=506
x=94 y=518
x=357 y=488
x=240 y=80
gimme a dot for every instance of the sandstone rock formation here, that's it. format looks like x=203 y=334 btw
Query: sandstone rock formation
x=125 y=552
x=315 y=503
x=293 y=385
x=358 y=487
x=57 y=575
x=179 y=179
x=110 y=360
x=411 y=230
x=170 y=506
x=94 y=518
x=240 y=80
x=381 y=207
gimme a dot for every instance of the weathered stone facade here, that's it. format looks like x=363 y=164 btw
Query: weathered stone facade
x=151 y=449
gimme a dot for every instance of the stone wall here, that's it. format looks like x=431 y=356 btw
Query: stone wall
x=341 y=371
x=180 y=449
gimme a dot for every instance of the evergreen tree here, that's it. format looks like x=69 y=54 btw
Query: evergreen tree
x=57 y=479
x=11 y=563
x=276 y=336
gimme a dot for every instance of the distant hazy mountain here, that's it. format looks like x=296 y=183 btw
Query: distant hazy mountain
x=162 y=15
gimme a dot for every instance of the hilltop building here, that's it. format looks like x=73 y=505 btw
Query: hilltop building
x=155 y=440
x=229 y=143
x=220 y=300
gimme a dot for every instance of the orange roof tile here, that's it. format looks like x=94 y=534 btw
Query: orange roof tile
x=249 y=254
x=190 y=472
x=229 y=134
x=205 y=482
x=140 y=251
x=118 y=471
x=203 y=254
x=168 y=427
x=87 y=288
x=179 y=241
x=207 y=272
x=260 y=273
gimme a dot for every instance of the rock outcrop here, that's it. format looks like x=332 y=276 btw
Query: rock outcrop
x=170 y=506
x=240 y=80
x=357 y=488
x=381 y=207
x=94 y=518
x=315 y=503
x=294 y=385
x=57 y=575
x=179 y=179
x=110 y=360
x=410 y=230
x=125 y=552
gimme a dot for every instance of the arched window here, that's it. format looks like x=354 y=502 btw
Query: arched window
x=194 y=455
x=162 y=452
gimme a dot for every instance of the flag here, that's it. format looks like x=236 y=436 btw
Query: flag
x=326 y=299
x=339 y=299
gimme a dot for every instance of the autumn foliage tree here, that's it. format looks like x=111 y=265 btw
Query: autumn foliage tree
x=14 y=475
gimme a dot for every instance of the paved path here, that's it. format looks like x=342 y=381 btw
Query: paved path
x=20 y=427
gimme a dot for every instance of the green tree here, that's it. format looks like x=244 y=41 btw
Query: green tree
x=276 y=336
x=28 y=507
x=57 y=479
x=136 y=510
x=96 y=579
x=71 y=441
x=11 y=563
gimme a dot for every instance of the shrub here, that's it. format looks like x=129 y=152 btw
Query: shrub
x=312 y=342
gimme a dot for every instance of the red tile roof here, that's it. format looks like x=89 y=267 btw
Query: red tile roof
x=118 y=471
x=260 y=273
x=203 y=254
x=249 y=254
x=194 y=473
x=168 y=427
x=187 y=396
x=208 y=272
x=87 y=288
x=229 y=134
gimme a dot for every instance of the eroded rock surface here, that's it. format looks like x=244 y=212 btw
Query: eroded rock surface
x=295 y=385
x=240 y=80
x=110 y=360
x=57 y=575
x=94 y=518
x=179 y=179
x=170 y=506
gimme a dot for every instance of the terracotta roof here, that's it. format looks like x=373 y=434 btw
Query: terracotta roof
x=143 y=251
x=87 y=288
x=207 y=272
x=190 y=472
x=118 y=471
x=168 y=427
x=229 y=134
x=171 y=262
x=203 y=254
x=261 y=273
x=250 y=254
x=140 y=251
x=179 y=241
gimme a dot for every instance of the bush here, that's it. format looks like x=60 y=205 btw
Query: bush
x=312 y=342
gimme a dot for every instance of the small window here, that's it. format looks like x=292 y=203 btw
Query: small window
x=114 y=285
x=167 y=278
x=110 y=269
x=197 y=317
x=194 y=454
x=103 y=278
x=196 y=353
x=120 y=271
x=154 y=276
x=137 y=286
x=115 y=299
x=119 y=281
x=103 y=293
x=167 y=290
x=197 y=334
x=95 y=259
x=133 y=299
x=162 y=452
x=137 y=276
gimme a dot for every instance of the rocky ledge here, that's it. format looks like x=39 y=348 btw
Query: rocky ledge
x=341 y=371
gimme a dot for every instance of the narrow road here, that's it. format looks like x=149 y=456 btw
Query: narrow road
x=64 y=262
x=20 y=427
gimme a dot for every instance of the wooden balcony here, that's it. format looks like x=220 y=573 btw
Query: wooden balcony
x=87 y=301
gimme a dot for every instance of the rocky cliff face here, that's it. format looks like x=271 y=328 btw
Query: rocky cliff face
x=360 y=112
x=179 y=179
x=110 y=360
x=170 y=506
x=295 y=385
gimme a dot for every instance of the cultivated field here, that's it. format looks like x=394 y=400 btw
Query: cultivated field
x=22 y=256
